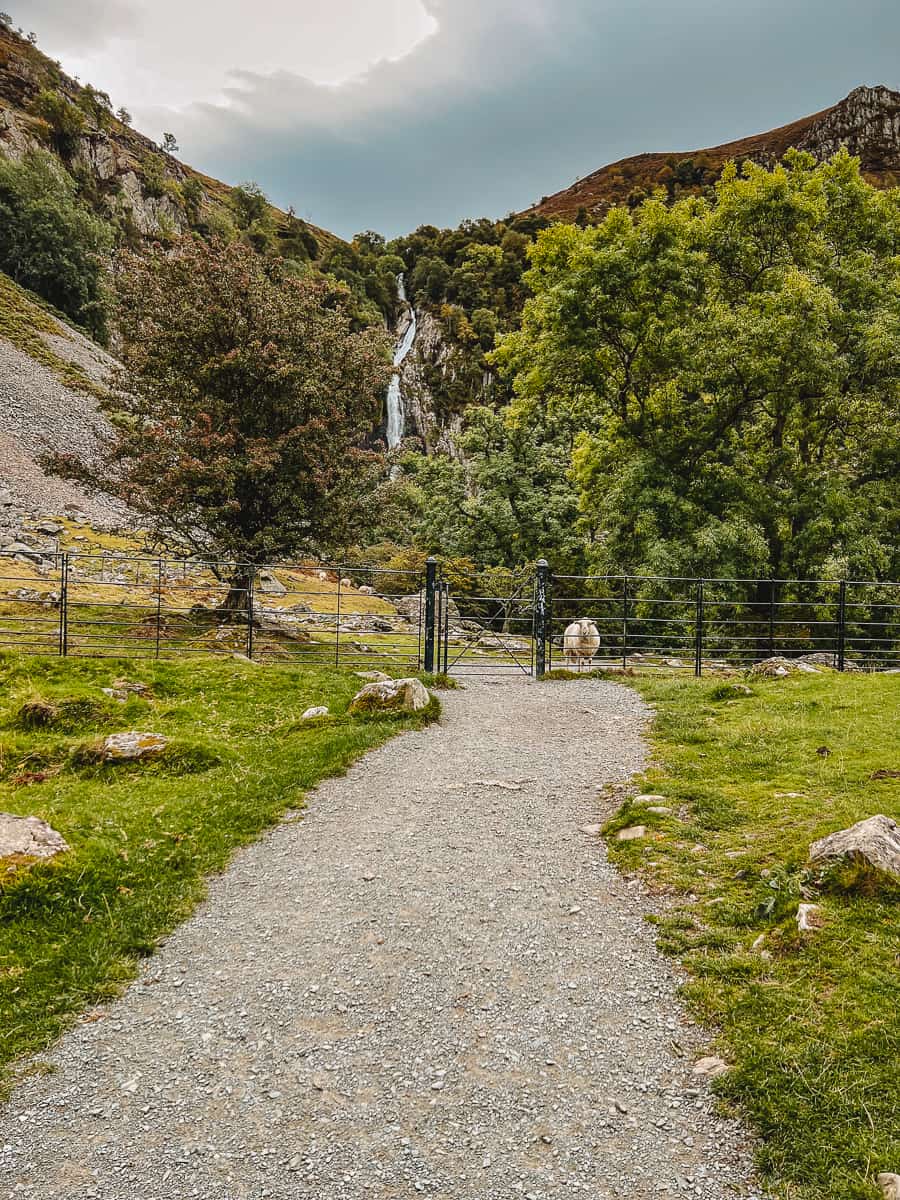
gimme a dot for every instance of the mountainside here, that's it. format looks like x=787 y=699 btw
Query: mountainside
x=52 y=379
x=867 y=122
x=126 y=176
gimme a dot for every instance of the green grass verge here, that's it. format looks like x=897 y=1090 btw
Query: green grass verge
x=811 y=1023
x=143 y=836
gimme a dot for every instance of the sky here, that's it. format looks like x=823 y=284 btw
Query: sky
x=388 y=114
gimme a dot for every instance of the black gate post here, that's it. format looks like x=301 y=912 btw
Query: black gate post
x=842 y=624
x=625 y=623
x=430 y=580
x=542 y=617
x=159 y=587
x=698 y=649
x=251 y=575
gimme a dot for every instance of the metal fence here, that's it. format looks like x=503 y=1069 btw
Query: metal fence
x=701 y=624
x=113 y=605
x=482 y=621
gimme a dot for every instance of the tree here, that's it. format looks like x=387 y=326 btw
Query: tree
x=244 y=401
x=508 y=503
x=734 y=369
x=5 y=20
x=50 y=242
x=123 y=115
x=169 y=144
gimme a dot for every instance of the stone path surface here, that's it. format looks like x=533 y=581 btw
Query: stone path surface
x=430 y=986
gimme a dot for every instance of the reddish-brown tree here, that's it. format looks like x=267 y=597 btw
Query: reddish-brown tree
x=244 y=401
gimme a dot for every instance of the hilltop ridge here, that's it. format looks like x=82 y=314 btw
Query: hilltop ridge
x=867 y=122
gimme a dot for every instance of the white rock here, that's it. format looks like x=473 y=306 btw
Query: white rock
x=890 y=1185
x=631 y=834
x=124 y=747
x=29 y=837
x=875 y=841
x=809 y=918
x=313 y=714
x=647 y=798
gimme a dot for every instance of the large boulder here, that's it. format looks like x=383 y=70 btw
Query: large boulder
x=872 y=843
x=403 y=695
x=270 y=585
x=28 y=839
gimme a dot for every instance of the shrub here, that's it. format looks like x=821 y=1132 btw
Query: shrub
x=50 y=242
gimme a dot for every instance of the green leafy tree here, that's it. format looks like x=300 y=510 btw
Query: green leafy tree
x=244 y=401
x=50 y=242
x=509 y=502
x=734 y=369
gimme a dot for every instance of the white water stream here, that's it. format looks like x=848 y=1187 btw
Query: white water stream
x=396 y=417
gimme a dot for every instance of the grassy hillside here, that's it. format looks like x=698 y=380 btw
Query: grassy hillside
x=809 y=1022
x=143 y=835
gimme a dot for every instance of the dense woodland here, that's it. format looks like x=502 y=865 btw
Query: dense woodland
x=705 y=381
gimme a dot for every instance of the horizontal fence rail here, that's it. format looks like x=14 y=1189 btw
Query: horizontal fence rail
x=481 y=621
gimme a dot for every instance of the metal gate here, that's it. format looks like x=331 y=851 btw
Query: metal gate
x=484 y=622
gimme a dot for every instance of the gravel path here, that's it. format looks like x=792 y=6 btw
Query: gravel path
x=426 y=986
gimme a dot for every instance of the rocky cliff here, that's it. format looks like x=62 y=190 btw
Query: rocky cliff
x=439 y=380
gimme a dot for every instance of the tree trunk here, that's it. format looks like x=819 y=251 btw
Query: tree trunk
x=240 y=589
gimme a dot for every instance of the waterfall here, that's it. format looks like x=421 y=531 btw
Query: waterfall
x=396 y=417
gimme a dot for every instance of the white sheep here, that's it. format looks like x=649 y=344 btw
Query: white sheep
x=581 y=642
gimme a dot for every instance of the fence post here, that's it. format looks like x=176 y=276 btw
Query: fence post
x=63 y=605
x=842 y=624
x=625 y=623
x=542 y=617
x=698 y=649
x=159 y=586
x=772 y=619
x=430 y=580
x=251 y=575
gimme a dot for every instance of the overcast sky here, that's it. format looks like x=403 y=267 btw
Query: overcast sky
x=386 y=114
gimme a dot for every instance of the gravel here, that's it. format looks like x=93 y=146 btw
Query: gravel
x=433 y=984
x=39 y=413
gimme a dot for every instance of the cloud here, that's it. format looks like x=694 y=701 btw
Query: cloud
x=485 y=105
x=78 y=25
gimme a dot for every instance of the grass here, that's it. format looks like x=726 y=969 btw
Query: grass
x=810 y=1023
x=24 y=319
x=144 y=835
